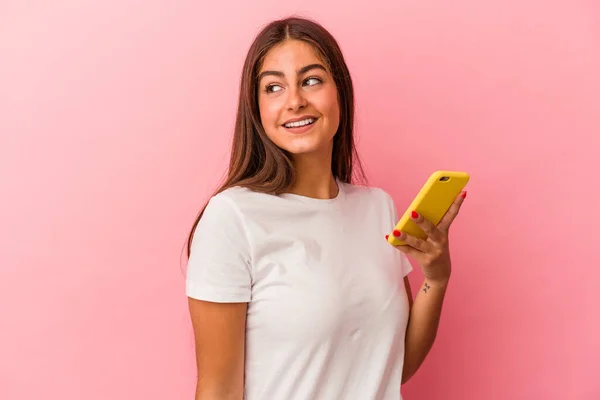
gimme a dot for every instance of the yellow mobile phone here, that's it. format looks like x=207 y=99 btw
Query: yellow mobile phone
x=432 y=202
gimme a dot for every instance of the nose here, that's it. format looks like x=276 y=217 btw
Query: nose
x=295 y=100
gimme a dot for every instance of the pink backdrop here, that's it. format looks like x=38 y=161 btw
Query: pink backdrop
x=115 y=119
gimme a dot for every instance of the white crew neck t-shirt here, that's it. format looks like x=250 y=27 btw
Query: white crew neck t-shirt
x=327 y=306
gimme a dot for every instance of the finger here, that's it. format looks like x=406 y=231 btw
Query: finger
x=412 y=241
x=409 y=251
x=446 y=221
x=432 y=232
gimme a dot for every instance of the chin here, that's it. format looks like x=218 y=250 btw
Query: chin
x=299 y=151
x=313 y=141
x=308 y=147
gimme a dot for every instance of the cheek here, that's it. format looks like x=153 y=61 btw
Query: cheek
x=330 y=107
x=268 y=113
x=269 y=117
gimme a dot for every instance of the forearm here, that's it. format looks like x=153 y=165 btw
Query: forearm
x=225 y=384
x=218 y=393
x=422 y=326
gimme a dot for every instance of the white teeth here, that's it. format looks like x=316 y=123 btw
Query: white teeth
x=300 y=123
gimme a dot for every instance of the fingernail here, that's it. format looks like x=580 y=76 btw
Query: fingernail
x=386 y=237
x=414 y=214
x=464 y=195
x=397 y=233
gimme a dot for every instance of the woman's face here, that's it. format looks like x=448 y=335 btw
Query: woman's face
x=298 y=99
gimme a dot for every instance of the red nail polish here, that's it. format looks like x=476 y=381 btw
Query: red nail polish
x=397 y=233
x=386 y=237
x=414 y=214
x=464 y=195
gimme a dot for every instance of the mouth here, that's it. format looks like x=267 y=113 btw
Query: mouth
x=300 y=126
x=300 y=123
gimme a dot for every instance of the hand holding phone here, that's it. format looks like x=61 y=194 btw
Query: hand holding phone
x=432 y=202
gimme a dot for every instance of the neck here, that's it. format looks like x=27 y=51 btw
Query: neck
x=314 y=177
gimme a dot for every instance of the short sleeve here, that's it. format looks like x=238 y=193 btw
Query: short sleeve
x=219 y=264
x=404 y=262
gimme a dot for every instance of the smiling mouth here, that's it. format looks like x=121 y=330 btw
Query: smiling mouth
x=299 y=124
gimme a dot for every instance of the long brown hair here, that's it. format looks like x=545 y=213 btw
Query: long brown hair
x=256 y=162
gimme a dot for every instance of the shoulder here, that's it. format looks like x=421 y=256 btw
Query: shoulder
x=223 y=209
x=234 y=195
x=367 y=193
x=228 y=199
x=221 y=223
x=241 y=200
x=238 y=205
x=236 y=198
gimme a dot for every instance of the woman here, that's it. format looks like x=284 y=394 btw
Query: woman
x=293 y=291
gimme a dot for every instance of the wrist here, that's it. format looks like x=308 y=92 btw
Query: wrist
x=436 y=283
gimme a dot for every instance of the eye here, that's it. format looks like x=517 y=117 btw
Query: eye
x=272 y=88
x=312 y=81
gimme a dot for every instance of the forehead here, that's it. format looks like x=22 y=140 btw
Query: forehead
x=291 y=55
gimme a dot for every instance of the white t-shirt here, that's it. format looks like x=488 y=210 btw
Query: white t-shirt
x=327 y=306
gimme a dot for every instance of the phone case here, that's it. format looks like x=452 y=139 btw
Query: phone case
x=432 y=202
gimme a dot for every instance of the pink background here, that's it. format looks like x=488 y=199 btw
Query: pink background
x=115 y=120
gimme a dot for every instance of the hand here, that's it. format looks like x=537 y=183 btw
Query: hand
x=433 y=253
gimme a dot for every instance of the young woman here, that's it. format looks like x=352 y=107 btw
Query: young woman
x=294 y=293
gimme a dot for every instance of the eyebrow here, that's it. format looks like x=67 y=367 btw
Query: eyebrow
x=301 y=71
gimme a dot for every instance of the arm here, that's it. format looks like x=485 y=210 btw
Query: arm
x=218 y=287
x=423 y=323
x=219 y=331
x=433 y=255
